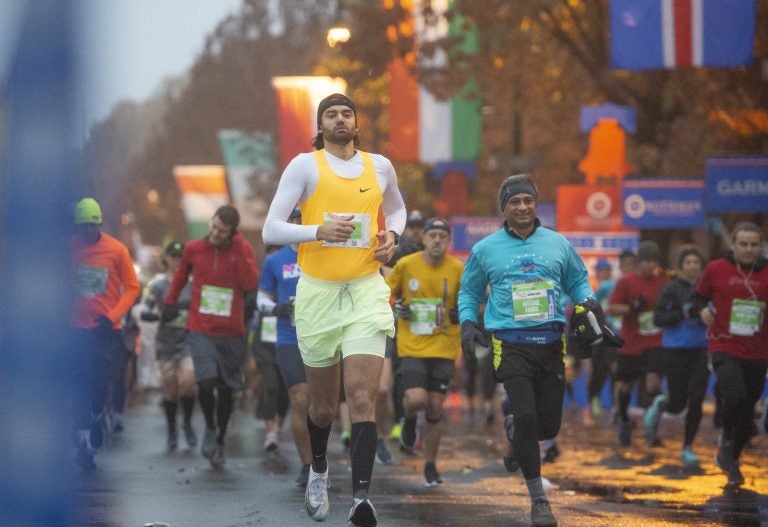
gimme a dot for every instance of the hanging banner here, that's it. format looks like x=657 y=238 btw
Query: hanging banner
x=251 y=174
x=203 y=189
x=466 y=231
x=297 y=101
x=737 y=184
x=663 y=203
x=589 y=208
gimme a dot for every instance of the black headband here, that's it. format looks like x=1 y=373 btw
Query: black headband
x=516 y=186
x=333 y=100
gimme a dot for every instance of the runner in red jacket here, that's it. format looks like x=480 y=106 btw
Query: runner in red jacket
x=223 y=270
x=735 y=291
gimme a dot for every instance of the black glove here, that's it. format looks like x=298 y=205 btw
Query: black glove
x=638 y=303
x=103 y=323
x=585 y=335
x=471 y=335
x=453 y=315
x=149 y=316
x=284 y=310
x=402 y=310
x=168 y=313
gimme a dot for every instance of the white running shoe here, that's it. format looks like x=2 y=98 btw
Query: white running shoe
x=272 y=441
x=316 y=496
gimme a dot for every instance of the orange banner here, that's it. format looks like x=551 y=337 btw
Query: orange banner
x=589 y=208
x=203 y=179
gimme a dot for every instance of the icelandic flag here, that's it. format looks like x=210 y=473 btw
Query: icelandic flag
x=655 y=34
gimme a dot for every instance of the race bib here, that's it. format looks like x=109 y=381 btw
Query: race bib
x=91 y=280
x=424 y=315
x=269 y=329
x=361 y=237
x=647 y=327
x=533 y=300
x=746 y=317
x=216 y=300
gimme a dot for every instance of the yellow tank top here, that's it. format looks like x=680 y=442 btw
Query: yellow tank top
x=334 y=195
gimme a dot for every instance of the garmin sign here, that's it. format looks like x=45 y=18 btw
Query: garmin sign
x=737 y=184
x=663 y=203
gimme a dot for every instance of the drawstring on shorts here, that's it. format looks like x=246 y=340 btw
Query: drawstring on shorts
x=345 y=289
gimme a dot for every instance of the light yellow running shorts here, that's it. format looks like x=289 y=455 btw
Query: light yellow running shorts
x=337 y=319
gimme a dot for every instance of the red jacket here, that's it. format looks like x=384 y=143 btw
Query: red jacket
x=637 y=328
x=723 y=282
x=221 y=276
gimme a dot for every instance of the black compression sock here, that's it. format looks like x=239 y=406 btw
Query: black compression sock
x=318 y=442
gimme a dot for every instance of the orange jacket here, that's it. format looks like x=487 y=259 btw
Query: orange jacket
x=104 y=279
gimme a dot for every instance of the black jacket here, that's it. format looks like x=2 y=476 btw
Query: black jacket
x=675 y=296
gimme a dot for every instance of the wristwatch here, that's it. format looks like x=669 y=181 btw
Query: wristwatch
x=397 y=237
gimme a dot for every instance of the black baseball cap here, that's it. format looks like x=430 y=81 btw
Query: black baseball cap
x=437 y=223
x=174 y=249
x=415 y=218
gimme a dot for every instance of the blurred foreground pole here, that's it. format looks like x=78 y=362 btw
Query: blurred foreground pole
x=37 y=181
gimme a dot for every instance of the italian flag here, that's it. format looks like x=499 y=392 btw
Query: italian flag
x=422 y=127
x=203 y=189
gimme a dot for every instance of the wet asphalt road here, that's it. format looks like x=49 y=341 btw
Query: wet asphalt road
x=593 y=482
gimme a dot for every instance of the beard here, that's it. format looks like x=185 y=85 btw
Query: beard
x=340 y=135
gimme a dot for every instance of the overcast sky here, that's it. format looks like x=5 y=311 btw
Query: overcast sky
x=130 y=46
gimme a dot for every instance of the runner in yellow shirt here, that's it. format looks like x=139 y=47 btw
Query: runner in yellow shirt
x=426 y=284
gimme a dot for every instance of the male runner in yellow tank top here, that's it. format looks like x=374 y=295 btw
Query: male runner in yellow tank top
x=342 y=310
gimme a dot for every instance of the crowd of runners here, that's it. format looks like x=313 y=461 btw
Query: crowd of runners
x=359 y=313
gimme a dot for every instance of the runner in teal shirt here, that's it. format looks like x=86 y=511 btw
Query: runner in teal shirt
x=529 y=270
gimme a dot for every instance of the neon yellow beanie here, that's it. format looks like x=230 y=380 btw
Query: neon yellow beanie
x=87 y=211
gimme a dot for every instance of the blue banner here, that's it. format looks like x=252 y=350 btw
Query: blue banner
x=468 y=230
x=587 y=243
x=663 y=204
x=737 y=184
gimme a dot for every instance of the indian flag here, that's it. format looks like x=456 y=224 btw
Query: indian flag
x=423 y=127
x=203 y=190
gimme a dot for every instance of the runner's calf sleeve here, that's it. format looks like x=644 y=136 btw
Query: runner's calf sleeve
x=318 y=442
x=362 y=448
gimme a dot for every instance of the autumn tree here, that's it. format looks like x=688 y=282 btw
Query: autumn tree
x=537 y=62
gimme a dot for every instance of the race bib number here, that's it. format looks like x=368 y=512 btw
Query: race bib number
x=533 y=300
x=91 y=280
x=269 y=329
x=216 y=300
x=646 y=325
x=361 y=237
x=746 y=317
x=424 y=315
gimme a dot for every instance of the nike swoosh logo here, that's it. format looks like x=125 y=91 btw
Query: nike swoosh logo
x=365 y=189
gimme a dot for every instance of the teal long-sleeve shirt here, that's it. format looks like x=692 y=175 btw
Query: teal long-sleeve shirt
x=529 y=280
